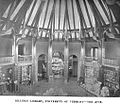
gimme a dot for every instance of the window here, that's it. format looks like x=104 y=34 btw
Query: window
x=21 y=49
x=94 y=52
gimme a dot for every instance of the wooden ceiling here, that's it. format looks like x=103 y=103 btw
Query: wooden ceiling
x=75 y=16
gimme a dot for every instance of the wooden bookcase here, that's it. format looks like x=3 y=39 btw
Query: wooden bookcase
x=111 y=76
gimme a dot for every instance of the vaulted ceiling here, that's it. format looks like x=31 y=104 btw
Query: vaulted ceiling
x=75 y=16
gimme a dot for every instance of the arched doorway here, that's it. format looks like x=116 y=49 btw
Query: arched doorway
x=42 y=67
x=73 y=67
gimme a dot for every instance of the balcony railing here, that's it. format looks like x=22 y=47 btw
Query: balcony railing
x=111 y=62
x=24 y=58
x=6 y=60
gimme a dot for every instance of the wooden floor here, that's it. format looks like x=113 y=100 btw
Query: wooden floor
x=70 y=89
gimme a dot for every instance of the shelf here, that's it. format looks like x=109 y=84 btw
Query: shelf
x=111 y=82
x=24 y=63
x=4 y=64
x=112 y=66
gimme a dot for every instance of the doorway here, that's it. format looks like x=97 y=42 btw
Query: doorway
x=73 y=67
x=42 y=67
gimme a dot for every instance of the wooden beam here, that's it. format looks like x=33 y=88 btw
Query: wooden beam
x=82 y=17
x=67 y=16
x=106 y=13
x=52 y=17
x=99 y=15
x=66 y=57
x=34 y=69
x=87 y=13
x=4 y=7
x=45 y=29
x=73 y=17
x=82 y=59
x=22 y=12
x=38 y=14
x=98 y=22
x=50 y=73
x=45 y=16
x=59 y=18
x=31 y=12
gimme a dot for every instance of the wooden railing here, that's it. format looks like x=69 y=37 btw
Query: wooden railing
x=24 y=58
x=6 y=60
x=111 y=62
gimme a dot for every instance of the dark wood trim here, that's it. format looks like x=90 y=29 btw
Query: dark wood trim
x=38 y=14
x=45 y=16
x=59 y=17
x=97 y=11
x=104 y=9
x=73 y=17
x=31 y=12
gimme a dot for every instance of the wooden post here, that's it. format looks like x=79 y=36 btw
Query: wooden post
x=100 y=59
x=82 y=59
x=50 y=74
x=15 y=49
x=15 y=55
x=34 y=62
x=79 y=69
x=66 y=56
x=50 y=58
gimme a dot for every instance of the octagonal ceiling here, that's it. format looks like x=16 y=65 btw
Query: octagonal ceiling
x=75 y=16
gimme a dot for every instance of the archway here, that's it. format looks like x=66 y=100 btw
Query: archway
x=73 y=67
x=42 y=67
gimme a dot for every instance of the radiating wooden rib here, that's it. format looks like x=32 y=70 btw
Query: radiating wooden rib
x=52 y=17
x=45 y=29
x=11 y=9
x=7 y=11
x=22 y=13
x=104 y=9
x=59 y=18
x=78 y=9
x=38 y=14
x=48 y=3
x=31 y=12
x=97 y=20
x=45 y=16
x=19 y=6
x=22 y=10
x=64 y=20
x=87 y=13
x=67 y=16
x=102 y=20
x=82 y=18
x=88 y=16
x=73 y=17
x=3 y=9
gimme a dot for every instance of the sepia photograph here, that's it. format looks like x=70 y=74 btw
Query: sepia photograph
x=60 y=48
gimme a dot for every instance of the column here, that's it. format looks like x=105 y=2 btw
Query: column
x=66 y=57
x=79 y=69
x=34 y=61
x=15 y=49
x=50 y=74
x=82 y=58
x=100 y=58
x=15 y=55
